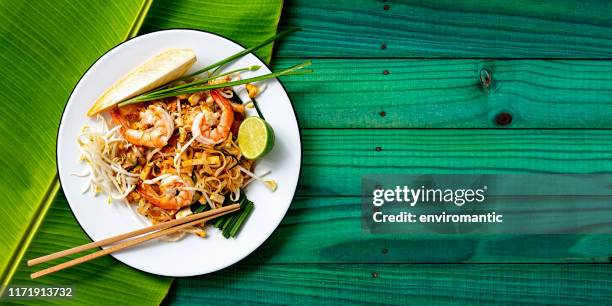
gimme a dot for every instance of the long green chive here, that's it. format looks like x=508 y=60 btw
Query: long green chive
x=257 y=109
x=241 y=53
x=202 y=81
x=152 y=96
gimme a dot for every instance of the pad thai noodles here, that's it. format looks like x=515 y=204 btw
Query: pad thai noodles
x=174 y=144
x=174 y=156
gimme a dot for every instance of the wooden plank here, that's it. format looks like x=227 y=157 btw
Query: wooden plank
x=350 y=93
x=329 y=230
x=399 y=284
x=412 y=28
x=335 y=159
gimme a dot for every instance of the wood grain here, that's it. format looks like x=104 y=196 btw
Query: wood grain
x=450 y=29
x=396 y=93
x=325 y=227
x=334 y=160
x=319 y=253
x=329 y=230
x=395 y=284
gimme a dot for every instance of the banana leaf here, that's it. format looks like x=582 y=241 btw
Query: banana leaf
x=104 y=280
x=46 y=47
x=247 y=22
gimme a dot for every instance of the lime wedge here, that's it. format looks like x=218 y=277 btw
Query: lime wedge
x=255 y=138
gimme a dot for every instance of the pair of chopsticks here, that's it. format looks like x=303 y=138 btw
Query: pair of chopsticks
x=160 y=229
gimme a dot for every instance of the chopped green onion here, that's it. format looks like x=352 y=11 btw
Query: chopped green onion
x=218 y=222
x=226 y=223
x=201 y=208
x=241 y=219
x=230 y=224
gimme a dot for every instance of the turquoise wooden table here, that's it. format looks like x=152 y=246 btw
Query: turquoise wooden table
x=432 y=87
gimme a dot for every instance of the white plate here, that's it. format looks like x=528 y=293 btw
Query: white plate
x=192 y=255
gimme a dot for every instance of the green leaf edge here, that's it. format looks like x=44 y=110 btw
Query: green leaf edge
x=13 y=264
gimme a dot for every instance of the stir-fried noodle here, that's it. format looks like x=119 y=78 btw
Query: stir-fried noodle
x=167 y=156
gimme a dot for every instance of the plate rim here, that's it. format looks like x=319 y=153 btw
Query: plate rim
x=164 y=30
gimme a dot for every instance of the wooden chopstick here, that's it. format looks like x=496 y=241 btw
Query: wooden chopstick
x=138 y=232
x=132 y=242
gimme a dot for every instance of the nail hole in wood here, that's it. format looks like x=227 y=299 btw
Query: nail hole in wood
x=385 y=251
x=374 y=274
x=503 y=119
x=386 y=7
x=378 y=149
x=385 y=72
x=383 y=46
x=383 y=113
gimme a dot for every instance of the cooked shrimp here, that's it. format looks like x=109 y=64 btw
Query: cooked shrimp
x=214 y=127
x=159 y=123
x=175 y=192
